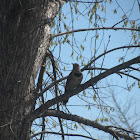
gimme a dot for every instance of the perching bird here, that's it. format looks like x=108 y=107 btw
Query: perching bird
x=74 y=79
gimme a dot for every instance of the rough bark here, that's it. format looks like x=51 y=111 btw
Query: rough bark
x=24 y=38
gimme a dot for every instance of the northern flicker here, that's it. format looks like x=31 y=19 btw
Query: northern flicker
x=74 y=79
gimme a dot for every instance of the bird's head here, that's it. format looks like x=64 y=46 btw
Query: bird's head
x=76 y=67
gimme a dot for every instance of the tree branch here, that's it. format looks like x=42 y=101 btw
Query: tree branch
x=56 y=91
x=82 y=87
x=82 y=1
x=118 y=48
x=66 y=134
x=51 y=85
x=91 y=68
x=92 y=29
x=113 y=132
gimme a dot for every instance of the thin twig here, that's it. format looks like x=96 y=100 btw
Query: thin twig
x=92 y=29
x=119 y=22
x=83 y=1
x=66 y=134
x=118 y=48
x=56 y=92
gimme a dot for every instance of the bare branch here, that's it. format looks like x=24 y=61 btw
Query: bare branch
x=125 y=130
x=123 y=47
x=66 y=134
x=56 y=90
x=87 y=122
x=91 y=68
x=82 y=87
x=92 y=29
x=119 y=22
x=134 y=69
x=61 y=79
x=83 y=1
x=5 y=124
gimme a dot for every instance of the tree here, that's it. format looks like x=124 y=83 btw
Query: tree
x=33 y=62
x=25 y=35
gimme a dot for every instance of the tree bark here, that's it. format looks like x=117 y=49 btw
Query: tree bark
x=25 y=33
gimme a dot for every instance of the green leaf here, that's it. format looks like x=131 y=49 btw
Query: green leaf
x=135 y=37
x=54 y=125
x=91 y=74
x=103 y=9
x=89 y=107
x=68 y=41
x=97 y=36
x=77 y=58
x=80 y=57
x=133 y=24
x=72 y=53
x=97 y=120
x=125 y=23
x=115 y=11
x=46 y=120
x=94 y=9
x=101 y=119
x=104 y=20
x=106 y=119
x=44 y=65
x=84 y=93
x=76 y=10
x=82 y=47
x=82 y=63
x=94 y=97
x=139 y=84
x=124 y=16
x=75 y=126
x=91 y=17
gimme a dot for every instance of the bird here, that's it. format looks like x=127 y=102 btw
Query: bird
x=74 y=79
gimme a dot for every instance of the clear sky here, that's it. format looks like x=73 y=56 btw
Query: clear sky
x=120 y=38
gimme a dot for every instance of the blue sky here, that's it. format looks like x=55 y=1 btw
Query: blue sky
x=117 y=39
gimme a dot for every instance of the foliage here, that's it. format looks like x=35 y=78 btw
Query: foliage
x=37 y=52
x=106 y=101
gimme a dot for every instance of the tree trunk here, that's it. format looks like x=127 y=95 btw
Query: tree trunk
x=24 y=38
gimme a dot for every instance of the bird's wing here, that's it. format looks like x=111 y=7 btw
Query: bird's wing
x=69 y=80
